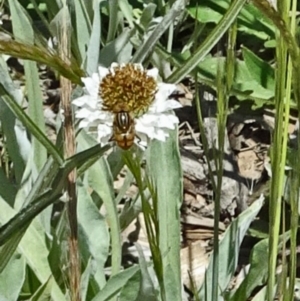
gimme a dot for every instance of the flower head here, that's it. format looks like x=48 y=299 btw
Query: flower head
x=126 y=101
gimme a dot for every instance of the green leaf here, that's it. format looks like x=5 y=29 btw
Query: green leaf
x=258 y=272
x=115 y=284
x=244 y=86
x=52 y=7
x=92 y=58
x=16 y=144
x=113 y=19
x=100 y=180
x=12 y=232
x=38 y=200
x=131 y=211
x=229 y=252
x=213 y=38
x=7 y=189
x=36 y=111
x=131 y=289
x=261 y=295
x=44 y=291
x=12 y=278
x=259 y=266
x=33 y=248
x=127 y=11
x=148 y=15
x=84 y=281
x=8 y=250
x=260 y=71
x=148 y=45
x=147 y=290
x=165 y=172
x=30 y=125
x=119 y=50
x=83 y=28
x=250 y=20
x=23 y=31
x=93 y=234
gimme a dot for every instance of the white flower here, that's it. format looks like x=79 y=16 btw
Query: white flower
x=130 y=82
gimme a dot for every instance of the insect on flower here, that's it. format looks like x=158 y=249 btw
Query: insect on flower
x=123 y=130
x=125 y=102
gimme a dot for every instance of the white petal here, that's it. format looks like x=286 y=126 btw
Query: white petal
x=87 y=101
x=105 y=117
x=161 y=102
x=137 y=66
x=102 y=72
x=91 y=117
x=167 y=121
x=164 y=90
x=172 y=104
x=161 y=135
x=163 y=106
x=158 y=120
x=153 y=73
x=147 y=119
x=104 y=133
x=152 y=132
x=144 y=128
x=113 y=66
x=92 y=84
x=83 y=113
x=83 y=124
x=81 y=101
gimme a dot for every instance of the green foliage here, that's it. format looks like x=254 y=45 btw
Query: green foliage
x=178 y=39
x=251 y=20
x=12 y=278
x=229 y=249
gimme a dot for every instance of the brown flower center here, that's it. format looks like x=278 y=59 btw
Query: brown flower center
x=127 y=88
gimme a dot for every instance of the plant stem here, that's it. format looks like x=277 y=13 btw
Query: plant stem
x=69 y=150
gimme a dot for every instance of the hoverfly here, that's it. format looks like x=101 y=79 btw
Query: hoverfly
x=123 y=130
